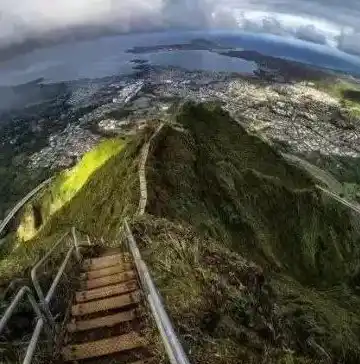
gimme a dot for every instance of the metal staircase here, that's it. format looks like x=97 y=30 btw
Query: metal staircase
x=107 y=307
x=113 y=297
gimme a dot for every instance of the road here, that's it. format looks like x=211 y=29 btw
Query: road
x=322 y=175
x=352 y=206
x=21 y=203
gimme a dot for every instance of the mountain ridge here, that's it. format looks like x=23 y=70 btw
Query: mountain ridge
x=253 y=262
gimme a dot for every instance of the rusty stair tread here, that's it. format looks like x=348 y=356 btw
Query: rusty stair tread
x=106 y=261
x=103 y=347
x=105 y=304
x=105 y=321
x=111 y=251
x=109 y=280
x=106 y=291
x=101 y=259
x=108 y=271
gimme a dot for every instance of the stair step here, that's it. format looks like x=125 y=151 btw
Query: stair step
x=105 y=304
x=106 y=261
x=106 y=321
x=119 y=268
x=103 y=347
x=111 y=251
x=106 y=291
x=108 y=280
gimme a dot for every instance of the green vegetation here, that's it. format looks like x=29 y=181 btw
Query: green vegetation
x=235 y=187
x=345 y=170
x=229 y=310
x=20 y=139
x=348 y=94
x=111 y=194
x=65 y=187
x=16 y=180
x=18 y=259
x=324 y=177
x=352 y=191
x=254 y=264
x=292 y=255
x=97 y=207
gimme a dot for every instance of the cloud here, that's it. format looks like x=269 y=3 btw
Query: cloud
x=311 y=29
x=349 y=42
x=310 y=33
x=34 y=18
x=319 y=21
x=264 y=25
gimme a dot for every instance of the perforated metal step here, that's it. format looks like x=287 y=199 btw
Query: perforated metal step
x=106 y=321
x=118 y=268
x=108 y=280
x=106 y=261
x=105 y=304
x=103 y=347
x=107 y=291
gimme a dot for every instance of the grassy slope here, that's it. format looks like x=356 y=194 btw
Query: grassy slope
x=227 y=310
x=345 y=169
x=110 y=191
x=111 y=194
x=254 y=265
x=65 y=187
x=347 y=93
x=236 y=188
x=234 y=195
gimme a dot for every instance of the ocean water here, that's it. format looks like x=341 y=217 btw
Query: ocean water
x=108 y=56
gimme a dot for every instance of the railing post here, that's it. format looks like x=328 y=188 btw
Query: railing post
x=45 y=308
x=42 y=308
x=49 y=317
x=44 y=301
x=49 y=326
x=33 y=342
x=78 y=254
x=39 y=323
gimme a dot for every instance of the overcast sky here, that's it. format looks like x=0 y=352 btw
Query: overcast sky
x=332 y=22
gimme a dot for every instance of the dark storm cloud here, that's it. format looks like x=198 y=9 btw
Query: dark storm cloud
x=331 y=22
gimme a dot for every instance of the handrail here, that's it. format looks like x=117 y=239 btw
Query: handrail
x=46 y=299
x=142 y=175
x=42 y=308
x=40 y=263
x=41 y=320
x=60 y=272
x=21 y=203
x=172 y=344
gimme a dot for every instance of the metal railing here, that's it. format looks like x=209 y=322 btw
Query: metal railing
x=172 y=344
x=46 y=299
x=21 y=203
x=45 y=318
x=40 y=323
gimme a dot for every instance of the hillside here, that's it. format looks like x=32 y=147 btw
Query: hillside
x=253 y=262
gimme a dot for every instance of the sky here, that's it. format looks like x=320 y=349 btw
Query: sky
x=331 y=22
